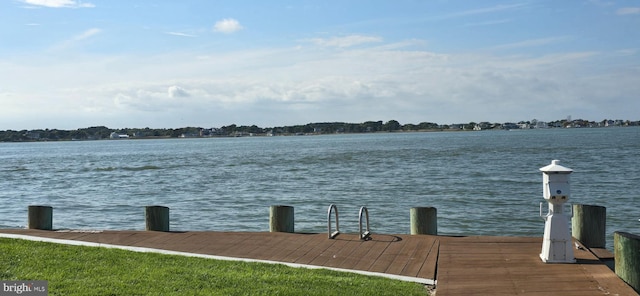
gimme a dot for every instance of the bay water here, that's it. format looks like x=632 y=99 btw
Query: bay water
x=482 y=183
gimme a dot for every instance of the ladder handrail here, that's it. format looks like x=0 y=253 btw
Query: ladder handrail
x=367 y=234
x=332 y=235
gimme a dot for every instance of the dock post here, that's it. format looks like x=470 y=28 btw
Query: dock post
x=156 y=218
x=589 y=225
x=627 y=258
x=40 y=217
x=424 y=220
x=281 y=219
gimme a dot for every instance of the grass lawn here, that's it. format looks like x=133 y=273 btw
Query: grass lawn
x=78 y=270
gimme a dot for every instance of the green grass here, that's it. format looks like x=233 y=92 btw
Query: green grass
x=78 y=270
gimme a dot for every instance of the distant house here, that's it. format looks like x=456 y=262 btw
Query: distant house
x=510 y=126
x=211 y=132
x=33 y=135
x=115 y=135
x=540 y=124
x=482 y=126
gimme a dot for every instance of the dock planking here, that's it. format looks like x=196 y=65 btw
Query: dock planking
x=389 y=255
x=420 y=255
x=512 y=266
x=461 y=265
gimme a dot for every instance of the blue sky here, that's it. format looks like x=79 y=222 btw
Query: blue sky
x=71 y=64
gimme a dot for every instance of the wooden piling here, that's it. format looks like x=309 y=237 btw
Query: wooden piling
x=588 y=225
x=281 y=219
x=424 y=220
x=40 y=217
x=156 y=218
x=626 y=249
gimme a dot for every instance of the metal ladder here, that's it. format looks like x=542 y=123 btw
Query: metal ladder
x=364 y=212
x=333 y=235
x=367 y=234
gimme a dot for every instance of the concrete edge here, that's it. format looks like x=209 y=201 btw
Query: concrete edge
x=216 y=257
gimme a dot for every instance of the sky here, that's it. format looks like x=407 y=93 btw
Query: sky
x=70 y=64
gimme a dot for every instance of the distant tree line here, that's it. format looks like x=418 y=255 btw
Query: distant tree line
x=102 y=132
x=365 y=127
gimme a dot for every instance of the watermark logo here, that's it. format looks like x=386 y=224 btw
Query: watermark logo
x=24 y=288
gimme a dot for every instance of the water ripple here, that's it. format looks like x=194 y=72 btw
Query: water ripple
x=484 y=183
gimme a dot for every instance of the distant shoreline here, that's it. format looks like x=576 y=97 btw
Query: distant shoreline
x=323 y=128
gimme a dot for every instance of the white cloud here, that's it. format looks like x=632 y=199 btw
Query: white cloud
x=628 y=10
x=602 y=3
x=227 y=26
x=278 y=86
x=485 y=10
x=59 y=3
x=143 y=99
x=488 y=23
x=76 y=39
x=530 y=43
x=627 y=52
x=180 y=34
x=345 y=41
x=87 y=34
x=176 y=92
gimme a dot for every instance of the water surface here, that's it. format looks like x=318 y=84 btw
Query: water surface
x=482 y=183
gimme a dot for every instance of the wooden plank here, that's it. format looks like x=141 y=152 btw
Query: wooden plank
x=251 y=244
x=297 y=255
x=284 y=241
x=315 y=251
x=263 y=245
x=472 y=288
x=141 y=239
x=375 y=248
x=428 y=270
x=403 y=258
x=187 y=242
x=388 y=256
x=284 y=250
x=602 y=254
x=330 y=254
x=419 y=257
x=301 y=248
x=557 y=287
x=121 y=238
x=353 y=253
x=511 y=268
x=607 y=280
x=222 y=244
x=75 y=235
x=345 y=256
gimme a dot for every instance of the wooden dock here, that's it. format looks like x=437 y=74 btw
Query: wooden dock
x=456 y=265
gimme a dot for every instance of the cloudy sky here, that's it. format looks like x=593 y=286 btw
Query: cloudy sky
x=71 y=64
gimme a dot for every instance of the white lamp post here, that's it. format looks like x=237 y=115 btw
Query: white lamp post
x=557 y=244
